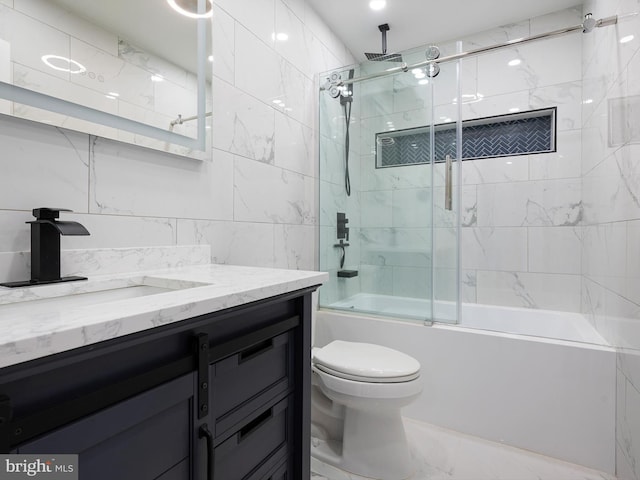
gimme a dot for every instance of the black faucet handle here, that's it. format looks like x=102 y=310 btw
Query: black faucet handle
x=46 y=213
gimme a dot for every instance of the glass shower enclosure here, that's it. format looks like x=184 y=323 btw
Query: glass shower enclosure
x=390 y=190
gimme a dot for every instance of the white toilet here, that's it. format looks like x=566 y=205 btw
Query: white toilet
x=358 y=390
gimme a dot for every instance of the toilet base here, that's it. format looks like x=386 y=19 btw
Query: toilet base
x=374 y=445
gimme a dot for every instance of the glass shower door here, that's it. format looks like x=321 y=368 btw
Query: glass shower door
x=401 y=257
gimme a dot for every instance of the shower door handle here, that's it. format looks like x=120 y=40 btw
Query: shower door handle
x=448 y=190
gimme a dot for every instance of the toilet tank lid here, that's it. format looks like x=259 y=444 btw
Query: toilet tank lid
x=365 y=360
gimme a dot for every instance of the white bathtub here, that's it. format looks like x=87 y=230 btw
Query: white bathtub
x=551 y=396
x=522 y=321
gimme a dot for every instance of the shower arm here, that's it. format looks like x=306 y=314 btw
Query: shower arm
x=586 y=27
x=180 y=120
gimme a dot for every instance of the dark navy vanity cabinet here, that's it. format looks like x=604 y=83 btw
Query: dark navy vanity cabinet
x=222 y=396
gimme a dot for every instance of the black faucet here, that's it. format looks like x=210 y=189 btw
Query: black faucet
x=45 y=247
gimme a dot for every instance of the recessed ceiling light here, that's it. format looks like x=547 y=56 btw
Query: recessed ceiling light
x=627 y=39
x=515 y=62
x=210 y=58
x=282 y=37
x=377 y=4
x=189 y=8
x=63 y=64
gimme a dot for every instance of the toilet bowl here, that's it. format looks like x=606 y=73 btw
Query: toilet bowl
x=358 y=390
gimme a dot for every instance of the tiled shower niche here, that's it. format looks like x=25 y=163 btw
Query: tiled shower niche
x=519 y=133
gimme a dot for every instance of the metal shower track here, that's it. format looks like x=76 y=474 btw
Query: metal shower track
x=587 y=26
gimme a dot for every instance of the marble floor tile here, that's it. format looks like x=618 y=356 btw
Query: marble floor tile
x=441 y=454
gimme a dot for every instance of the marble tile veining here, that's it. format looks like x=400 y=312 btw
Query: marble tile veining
x=441 y=454
x=36 y=333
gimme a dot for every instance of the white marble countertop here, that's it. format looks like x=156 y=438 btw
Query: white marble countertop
x=40 y=321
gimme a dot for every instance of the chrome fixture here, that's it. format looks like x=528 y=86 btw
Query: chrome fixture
x=448 y=187
x=432 y=52
x=180 y=120
x=587 y=26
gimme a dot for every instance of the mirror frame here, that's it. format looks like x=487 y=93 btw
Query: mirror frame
x=197 y=145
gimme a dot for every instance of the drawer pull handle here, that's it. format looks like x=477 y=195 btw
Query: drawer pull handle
x=254 y=425
x=255 y=350
x=204 y=432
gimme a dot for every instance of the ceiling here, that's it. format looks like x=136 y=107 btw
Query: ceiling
x=420 y=22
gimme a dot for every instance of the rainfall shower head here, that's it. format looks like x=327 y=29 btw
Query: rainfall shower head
x=384 y=56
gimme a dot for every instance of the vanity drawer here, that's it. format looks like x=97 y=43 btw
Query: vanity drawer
x=263 y=438
x=238 y=380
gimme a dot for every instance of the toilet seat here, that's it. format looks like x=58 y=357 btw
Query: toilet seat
x=365 y=362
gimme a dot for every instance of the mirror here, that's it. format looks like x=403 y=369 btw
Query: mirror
x=135 y=71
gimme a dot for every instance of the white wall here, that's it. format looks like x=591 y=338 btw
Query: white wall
x=254 y=201
x=611 y=189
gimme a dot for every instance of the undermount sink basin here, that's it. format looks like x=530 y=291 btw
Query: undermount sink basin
x=79 y=294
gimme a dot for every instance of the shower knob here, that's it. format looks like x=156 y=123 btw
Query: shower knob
x=334 y=91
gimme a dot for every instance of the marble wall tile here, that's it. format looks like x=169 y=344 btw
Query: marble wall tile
x=6 y=74
x=496 y=170
x=15 y=234
x=256 y=67
x=491 y=248
x=377 y=209
x=31 y=39
x=159 y=184
x=258 y=18
x=223 y=48
x=295 y=247
x=294 y=146
x=611 y=189
x=553 y=202
x=241 y=124
x=264 y=193
x=555 y=249
x=605 y=250
x=294 y=46
x=402 y=247
x=324 y=33
x=556 y=63
x=333 y=199
x=61 y=19
x=529 y=290
x=171 y=99
x=232 y=243
x=104 y=261
x=106 y=73
x=42 y=166
x=113 y=231
x=411 y=208
x=155 y=65
x=377 y=279
x=565 y=163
